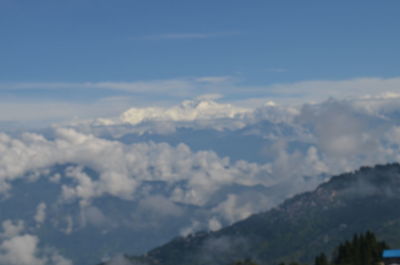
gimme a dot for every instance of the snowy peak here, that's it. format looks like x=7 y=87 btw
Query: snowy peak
x=189 y=110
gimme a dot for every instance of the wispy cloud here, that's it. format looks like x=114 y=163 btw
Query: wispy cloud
x=188 y=36
x=229 y=86
x=177 y=86
x=172 y=91
x=342 y=89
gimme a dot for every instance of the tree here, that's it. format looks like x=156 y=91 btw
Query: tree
x=363 y=249
x=321 y=259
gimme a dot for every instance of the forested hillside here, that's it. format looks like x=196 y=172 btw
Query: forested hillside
x=302 y=227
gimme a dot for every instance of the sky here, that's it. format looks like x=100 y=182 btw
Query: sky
x=187 y=111
x=78 y=59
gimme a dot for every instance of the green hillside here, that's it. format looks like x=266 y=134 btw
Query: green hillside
x=301 y=227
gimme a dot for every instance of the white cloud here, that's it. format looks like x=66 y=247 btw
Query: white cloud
x=318 y=90
x=194 y=190
x=187 y=111
x=160 y=206
x=29 y=111
x=17 y=248
x=214 y=224
x=337 y=129
x=69 y=228
x=40 y=113
x=154 y=212
x=11 y=229
x=122 y=167
x=20 y=250
x=228 y=86
x=232 y=211
x=177 y=87
x=40 y=215
x=203 y=112
x=123 y=95
x=194 y=226
x=91 y=215
x=330 y=137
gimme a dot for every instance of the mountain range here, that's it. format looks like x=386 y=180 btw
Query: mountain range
x=301 y=227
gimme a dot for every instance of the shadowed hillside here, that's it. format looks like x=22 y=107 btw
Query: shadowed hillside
x=301 y=227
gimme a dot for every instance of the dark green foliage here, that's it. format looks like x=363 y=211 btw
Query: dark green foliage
x=245 y=262
x=294 y=263
x=364 y=249
x=321 y=259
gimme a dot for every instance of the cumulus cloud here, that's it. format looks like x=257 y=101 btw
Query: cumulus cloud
x=305 y=143
x=340 y=129
x=214 y=224
x=122 y=168
x=91 y=215
x=40 y=215
x=21 y=250
x=182 y=185
x=347 y=136
x=193 y=227
x=18 y=248
x=203 y=108
x=11 y=229
x=206 y=112
x=236 y=208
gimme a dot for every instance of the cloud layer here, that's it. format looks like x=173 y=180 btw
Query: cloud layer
x=163 y=178
x=122 y=168
x=108 y=98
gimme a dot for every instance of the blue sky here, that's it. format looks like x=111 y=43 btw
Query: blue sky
x=250 y=44
x=110 y=75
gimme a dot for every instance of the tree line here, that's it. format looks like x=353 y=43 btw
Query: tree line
x=362 y=249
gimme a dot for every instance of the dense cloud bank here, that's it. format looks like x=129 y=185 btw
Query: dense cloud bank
x=175 y=179
x=122 y=168
x=335 y=136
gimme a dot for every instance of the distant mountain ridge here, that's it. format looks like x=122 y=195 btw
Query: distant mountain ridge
x=301 y=227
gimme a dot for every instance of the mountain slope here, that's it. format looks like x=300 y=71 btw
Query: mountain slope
x=302 y=226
